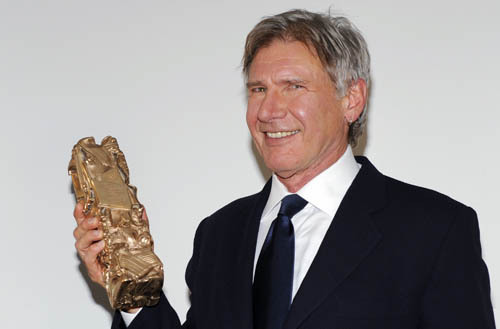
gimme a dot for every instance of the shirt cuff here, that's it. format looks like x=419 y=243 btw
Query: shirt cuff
x=128 y=317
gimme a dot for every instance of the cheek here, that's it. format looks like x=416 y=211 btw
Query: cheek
x=250 y=114
x=251 y=118
x=306 y=112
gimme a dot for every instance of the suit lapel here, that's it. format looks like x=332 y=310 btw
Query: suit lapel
x=349 y=239
x=243 y=268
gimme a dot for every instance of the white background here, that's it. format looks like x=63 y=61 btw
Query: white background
x=164 y=78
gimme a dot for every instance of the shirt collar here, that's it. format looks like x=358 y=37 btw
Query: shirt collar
x=330 y=184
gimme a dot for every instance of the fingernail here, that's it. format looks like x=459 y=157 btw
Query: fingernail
x=92 y=220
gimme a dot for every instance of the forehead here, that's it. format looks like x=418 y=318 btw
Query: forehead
x=286 y=55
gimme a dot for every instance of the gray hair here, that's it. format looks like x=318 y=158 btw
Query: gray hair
x=339 y=45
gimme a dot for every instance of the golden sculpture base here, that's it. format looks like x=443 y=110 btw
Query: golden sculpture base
x=133 y=274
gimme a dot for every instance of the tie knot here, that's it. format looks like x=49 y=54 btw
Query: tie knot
x=291 y=205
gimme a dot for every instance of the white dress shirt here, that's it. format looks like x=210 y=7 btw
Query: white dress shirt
x=324 y=193
x=128 y=317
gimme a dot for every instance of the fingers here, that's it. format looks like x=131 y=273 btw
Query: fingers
x=89 y=254
x=84 y=239
x=85 y=225
x=78 y=212
x=95 y=274
x=89 y=259
x=88 y=243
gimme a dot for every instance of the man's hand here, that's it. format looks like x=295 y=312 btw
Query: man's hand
x=89 y=243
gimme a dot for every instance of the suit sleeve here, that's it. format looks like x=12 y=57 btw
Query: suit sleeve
x=162 y=315
x=458 y=294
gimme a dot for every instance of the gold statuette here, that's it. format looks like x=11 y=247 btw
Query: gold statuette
x=133 y=274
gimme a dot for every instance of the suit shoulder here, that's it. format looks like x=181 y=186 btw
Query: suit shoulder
x=421 y=199
x=420 y=214
x=237 y=205
x=234 y=211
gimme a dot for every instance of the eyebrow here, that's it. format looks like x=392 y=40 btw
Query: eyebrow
x=292 y=81
x=251 y=84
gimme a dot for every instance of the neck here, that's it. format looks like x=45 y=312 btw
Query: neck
x=297 y=180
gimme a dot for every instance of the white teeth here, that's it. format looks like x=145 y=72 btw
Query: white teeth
x=281 y=134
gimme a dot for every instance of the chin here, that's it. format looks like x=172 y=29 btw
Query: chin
x=282 y=171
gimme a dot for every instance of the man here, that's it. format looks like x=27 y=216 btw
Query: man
x=329 y=242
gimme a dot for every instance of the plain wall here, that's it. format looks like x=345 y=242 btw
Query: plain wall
x=164 y=78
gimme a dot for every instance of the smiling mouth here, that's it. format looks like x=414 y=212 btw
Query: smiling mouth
x=281 y=134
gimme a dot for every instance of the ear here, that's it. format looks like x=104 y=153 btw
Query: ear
x=355 y=100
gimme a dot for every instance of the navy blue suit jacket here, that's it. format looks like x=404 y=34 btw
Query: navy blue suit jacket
x=395 y=257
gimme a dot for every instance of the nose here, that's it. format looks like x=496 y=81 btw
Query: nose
x=272 y=107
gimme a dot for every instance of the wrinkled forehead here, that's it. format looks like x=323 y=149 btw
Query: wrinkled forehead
x=266 y=46
x=287 y=55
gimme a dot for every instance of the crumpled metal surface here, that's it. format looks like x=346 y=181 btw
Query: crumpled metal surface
x=133 y=274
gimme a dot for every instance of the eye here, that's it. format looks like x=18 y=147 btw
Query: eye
x=295 y=86
x=258 y=90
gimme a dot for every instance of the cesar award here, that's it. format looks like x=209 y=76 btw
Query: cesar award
x=133 y=274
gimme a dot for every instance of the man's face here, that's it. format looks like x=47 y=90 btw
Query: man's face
x=295 y=118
